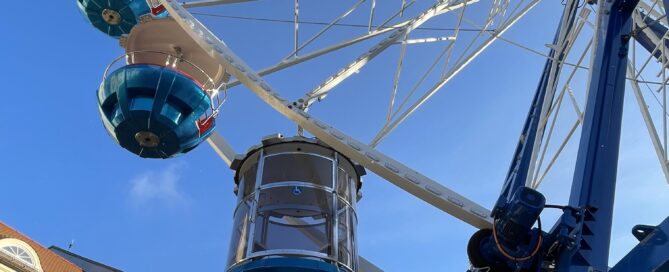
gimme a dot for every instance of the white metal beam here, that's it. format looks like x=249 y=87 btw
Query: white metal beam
x=652 y=131
x=377 y=162
x=652 y=10
x=324 y=88
x=299 y=59
x=366 y=266
x=206 y=3
x=453 y=72
x=565 y=41
x=221 y=147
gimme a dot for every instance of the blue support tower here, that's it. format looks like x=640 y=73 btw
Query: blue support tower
x=652 y=252
x=593 y=187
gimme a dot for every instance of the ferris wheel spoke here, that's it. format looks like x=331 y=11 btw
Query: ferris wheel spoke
x=398 y=71
x=324 y=29
x=652 y=11
x=371 y=16
x=554 y=111
x=546 y=143
x=562 y=47
x=324 y=88
x=222 y=148
x=650 y=125
x=297 y=27
x=206 y=3
x=382 y=25
x=564 y=143
x=452 y=73
x=294 y=61
x=389 y=169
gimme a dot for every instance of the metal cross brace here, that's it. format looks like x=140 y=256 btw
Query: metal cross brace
x=384 y=166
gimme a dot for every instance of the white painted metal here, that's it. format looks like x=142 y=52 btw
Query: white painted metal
x=428 y=40
x=323 y=30
x=165 y=36
x=562 y=47
x=322 y=90
x=294 y=61
x=384 y=166
x=650 y=125
x=651 y=11
x=371 y=16
x=452 y=73
x=221 y=147
x=297 y=28
x=555 y=107
x=366 y=266
x=206 y=3
x=398 y=71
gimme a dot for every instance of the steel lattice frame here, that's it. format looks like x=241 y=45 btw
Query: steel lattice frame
x=560 y=82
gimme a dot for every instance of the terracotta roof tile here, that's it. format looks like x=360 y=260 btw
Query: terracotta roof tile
x=51 y=262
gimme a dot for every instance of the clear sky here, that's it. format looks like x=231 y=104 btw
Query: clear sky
x=64 y=179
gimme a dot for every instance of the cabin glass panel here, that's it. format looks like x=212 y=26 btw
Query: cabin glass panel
x=295 y=199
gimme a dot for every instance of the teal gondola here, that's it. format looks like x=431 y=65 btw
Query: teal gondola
x=113 y=17
x=155 y=111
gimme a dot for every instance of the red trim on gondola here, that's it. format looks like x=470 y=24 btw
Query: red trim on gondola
x=156 y=6
x=157 y=10
x=204 y=125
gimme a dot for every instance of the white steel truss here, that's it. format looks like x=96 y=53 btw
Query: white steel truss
x=384 y=166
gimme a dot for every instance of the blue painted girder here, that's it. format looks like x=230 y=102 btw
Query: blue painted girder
x=593 y=187
x=651 y=254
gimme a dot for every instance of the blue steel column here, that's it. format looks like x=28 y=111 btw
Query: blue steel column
x=666 y=6
x=594 y=181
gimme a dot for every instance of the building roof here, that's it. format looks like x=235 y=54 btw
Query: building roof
x=87 y=264
x=50 y=261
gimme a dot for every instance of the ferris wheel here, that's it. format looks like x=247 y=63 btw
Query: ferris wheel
x=297 y=195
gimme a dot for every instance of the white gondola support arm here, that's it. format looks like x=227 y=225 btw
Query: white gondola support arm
x=384 y=166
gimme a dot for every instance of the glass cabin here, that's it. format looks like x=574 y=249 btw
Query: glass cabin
x=296 y=208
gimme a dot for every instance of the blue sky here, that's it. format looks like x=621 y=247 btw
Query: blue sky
x=63 y=178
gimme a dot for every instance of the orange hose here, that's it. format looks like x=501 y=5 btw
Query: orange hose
x=507 y=255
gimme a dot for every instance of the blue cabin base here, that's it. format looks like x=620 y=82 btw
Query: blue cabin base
x=286 y=265
x=154 y=111
x=113 y=17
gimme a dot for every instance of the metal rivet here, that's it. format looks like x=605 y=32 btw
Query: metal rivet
x=277 y=96
x=229 y=58
x=412 y=179
x=392 y=167
x=240 y=68
x=479 y=213
x=265 y=87
x=198 y=32
x=455 y=201
x=433 y=190
x=337 y=135
x=372 y=156
x=321 y=125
